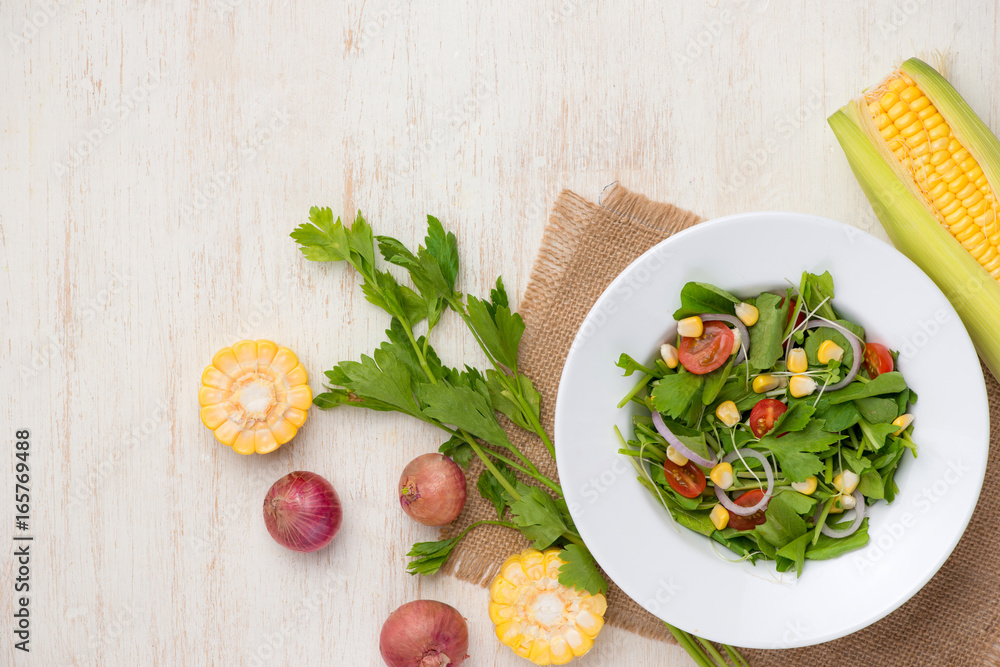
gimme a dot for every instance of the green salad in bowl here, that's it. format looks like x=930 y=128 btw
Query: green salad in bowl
x=769 y=423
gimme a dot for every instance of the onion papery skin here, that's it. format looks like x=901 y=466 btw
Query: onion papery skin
x=432 y=490
x=302 y=511
x=424 y=633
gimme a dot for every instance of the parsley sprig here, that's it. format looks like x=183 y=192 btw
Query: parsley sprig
x=404 y=374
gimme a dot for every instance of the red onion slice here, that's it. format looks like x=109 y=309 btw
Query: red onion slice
x=727 y=502
x=859 y=516
x=662 y=429
x=735 y=321
x=855 y=347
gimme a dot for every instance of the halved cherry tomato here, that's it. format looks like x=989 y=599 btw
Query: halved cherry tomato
x=877 y=359
x=686 y=480
x=764 y=414
x=748 y=499
x=708 y=351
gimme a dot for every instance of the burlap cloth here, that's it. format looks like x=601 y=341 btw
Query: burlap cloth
x=954 y=620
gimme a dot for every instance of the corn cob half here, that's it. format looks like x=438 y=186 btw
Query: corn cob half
x=539 y=618
x=254 y=396
x=927 y=164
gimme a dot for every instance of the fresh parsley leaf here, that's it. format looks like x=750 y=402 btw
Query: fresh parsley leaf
x=702 y=298
x=765 y=335
x=795 y=451
x=492 y=490
x=851 y=459
x=459 y=450
x=443 y=247
x=875 y=434
x=840 y=417
x=783 y=522
x=630 y=365
x=714 y=381
x=383 y=378
x=498 y=297
x=886 y=383
x=819 y=288
x=537 y=516
x=324 y=240
x=674 y=394
x=795 y=418
x=499 y=333
x=795 y=551
x=831 y=547
x=429 y=557
x=464 y=407
x=740 y=392
x=871 y=485
x=877 y=410
x=579 y=570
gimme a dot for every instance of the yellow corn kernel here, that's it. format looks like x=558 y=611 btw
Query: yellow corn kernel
x=727 y=413
x=691 y=327
x=719 y=517
x=842 y=503
x=539 y=618
x=903 y=422
x=676 y=456
x=737 y=341
x=765 y=382
x=846 y=481
x=254 y=396
x=722 y=476
x=801 y=385
x=829 y=351
x=669 y=355
x=807 y=487
x=917 y=122
x=747 y=313
x=797 y=361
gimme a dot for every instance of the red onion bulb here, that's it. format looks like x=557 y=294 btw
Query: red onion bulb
x=302 y=511
x=424 y=633
x=432 y=489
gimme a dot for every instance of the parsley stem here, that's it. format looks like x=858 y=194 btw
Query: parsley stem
x=513 y=387
x=712 y=651
x=490 y=466
x=536 y=475
x=685 y=642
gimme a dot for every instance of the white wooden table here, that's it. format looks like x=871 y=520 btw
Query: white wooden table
x=155 y=156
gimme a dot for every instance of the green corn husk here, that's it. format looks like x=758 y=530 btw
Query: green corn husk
x=911 y=223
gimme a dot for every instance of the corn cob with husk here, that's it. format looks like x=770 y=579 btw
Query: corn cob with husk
x=927 y=164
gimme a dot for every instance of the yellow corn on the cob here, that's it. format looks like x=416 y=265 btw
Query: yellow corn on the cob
x=927 y=164
x=254 y=396
x=539 y=618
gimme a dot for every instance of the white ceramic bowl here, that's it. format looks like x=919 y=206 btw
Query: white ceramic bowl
x=677 y=574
